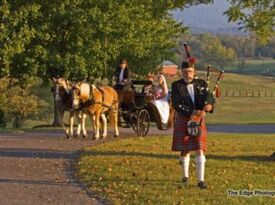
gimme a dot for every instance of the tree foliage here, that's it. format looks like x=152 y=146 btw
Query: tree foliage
x=17 y=33
x=18 y=104
x=208 y=49
x=79 y=39
x=254 y=15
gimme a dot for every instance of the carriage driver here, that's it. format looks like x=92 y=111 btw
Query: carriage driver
x=189 y=99
x=122 y=75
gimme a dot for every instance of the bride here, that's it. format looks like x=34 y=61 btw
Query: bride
x=161 y=99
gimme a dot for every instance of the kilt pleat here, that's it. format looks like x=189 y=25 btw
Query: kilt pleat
x=182 y=142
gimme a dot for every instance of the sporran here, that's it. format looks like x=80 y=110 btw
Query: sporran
x=194 y=128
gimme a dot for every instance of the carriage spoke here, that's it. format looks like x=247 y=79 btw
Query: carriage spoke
x=143 y=123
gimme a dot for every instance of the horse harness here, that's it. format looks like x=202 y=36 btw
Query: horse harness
x=91 y=101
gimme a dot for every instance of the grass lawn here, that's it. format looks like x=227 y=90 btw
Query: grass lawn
x=244 y=110
x=145 y=171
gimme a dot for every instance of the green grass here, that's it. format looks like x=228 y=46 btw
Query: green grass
x=244 y=110
x=145 y=171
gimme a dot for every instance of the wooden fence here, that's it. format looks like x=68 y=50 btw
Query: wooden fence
x=247 y=93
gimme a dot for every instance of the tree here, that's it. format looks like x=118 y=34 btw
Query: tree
x=257 y=16
x=17 y=103
x=254 y=15
x=16 y=36
x=267 y=50
x=208 y=49
x=78 y=39
x=81 y=39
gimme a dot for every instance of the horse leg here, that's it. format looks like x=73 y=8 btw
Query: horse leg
x=83 y=119
x=78 y=116
x=92 y=119
x=71 y=132
x=60 y=115
x=104 y=120
x=115 y=116
x=97 y=124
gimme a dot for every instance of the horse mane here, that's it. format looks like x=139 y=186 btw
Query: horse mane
x=68 y=84
x=85 y=91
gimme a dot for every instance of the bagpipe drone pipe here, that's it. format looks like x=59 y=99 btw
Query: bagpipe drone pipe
x=211 y=95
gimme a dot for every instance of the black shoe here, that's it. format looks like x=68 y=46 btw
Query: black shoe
x=184 y=180
x=164 y=126
x=202 y=185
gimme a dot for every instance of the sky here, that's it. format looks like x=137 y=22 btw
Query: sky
x=205 y=16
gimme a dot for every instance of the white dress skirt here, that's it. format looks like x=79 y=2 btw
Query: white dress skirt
x=163 y=108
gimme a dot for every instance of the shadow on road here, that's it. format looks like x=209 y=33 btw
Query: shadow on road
x=36 y=153
x=38 y=182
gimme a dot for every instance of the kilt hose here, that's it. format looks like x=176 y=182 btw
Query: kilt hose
x=181 y=140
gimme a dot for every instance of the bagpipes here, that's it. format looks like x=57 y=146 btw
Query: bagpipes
x=194 y=124
x=211 y=95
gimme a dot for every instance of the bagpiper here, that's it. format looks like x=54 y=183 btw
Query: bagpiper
x=190 y=99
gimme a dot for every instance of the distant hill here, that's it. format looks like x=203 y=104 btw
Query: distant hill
x=207 y=18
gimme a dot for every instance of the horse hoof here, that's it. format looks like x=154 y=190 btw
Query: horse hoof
x=95 y=138
x=69 y=137
x=84 y=136
x=103 y=137
x=115 y=136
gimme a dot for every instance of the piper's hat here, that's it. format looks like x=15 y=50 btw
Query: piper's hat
x=187 y=64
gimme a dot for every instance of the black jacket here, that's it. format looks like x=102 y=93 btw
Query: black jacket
x=182 y=101
x=126 y=74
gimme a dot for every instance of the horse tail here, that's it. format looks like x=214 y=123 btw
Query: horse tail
x=113 y=117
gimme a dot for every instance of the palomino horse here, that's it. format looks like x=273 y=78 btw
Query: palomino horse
x=63 y=100
x=95 y=101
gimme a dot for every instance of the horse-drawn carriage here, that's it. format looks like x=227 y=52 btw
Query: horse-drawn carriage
x=138 y=110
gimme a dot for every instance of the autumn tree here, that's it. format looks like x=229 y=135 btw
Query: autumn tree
x=208 y=49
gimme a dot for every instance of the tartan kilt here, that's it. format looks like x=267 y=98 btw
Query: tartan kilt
x=181 y=141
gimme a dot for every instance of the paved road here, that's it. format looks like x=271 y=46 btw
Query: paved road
x=254 y=128
x=37 y=167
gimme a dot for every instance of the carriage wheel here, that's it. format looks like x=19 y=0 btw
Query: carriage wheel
x=143 y=123
x=134 y=122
